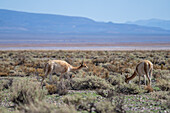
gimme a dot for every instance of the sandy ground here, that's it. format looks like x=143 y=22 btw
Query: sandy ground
x=87 y=46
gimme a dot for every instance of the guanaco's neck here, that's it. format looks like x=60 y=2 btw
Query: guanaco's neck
x=131 y=77
x=76 y=68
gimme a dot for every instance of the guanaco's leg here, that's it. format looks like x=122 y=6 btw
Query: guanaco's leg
x=139 y=80
x=150 y=75
x=144 y=79
x=149 y=80
x=47 y=72
x=51 y=72
x=42 y=81
x=61 y=76
x=50 y=77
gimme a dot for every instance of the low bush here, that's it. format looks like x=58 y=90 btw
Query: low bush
x=106 y=92
x=99 y=60
x=5 y=83
x=4 y=110
x=25 y=91
x=82 y=101
x=110 y=67
x=90 y=82
x=161 y=95
x=105 y=106
x=163 y=84
x=52 y=89
x=129 y=89
x=44 y=107
x=116 y=79
x=62 y=87
x=58 y=87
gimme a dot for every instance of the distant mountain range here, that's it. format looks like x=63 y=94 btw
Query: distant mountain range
x=164 y=24
x=15 y=22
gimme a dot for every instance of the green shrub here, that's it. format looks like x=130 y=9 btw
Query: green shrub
x=62 y=87
x=90 y=82
x=105 y=106
x=79 y=98
x=5 y=110
x=163 y=84
x=116 y=79
x=26 y=91
x=99 y=60
x=106 y=92
x=5 y=83
x=58 y=87
x=44 y=107
x=129 y=89
x=110 y=67
x=160 y=95
x=82 y=101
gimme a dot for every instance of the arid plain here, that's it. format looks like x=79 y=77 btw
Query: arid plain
x=100 y=88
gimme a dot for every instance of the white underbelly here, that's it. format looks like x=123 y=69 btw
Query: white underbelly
x=59 y=69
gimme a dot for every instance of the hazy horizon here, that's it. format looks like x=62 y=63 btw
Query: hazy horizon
x=111 y=10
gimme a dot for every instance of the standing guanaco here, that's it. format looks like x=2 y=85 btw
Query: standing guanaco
x=59 y=66
x=145 y=69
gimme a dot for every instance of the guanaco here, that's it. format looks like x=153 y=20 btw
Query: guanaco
x=144 y=69
x=60 y=66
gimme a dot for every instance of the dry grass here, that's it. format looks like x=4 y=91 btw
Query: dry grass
x=104 y=77
x=26 y=91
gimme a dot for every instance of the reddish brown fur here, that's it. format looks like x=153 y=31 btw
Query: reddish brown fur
x=60 y=66
x=146 y=68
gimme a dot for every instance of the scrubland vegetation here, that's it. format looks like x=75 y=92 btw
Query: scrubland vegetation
x=98 y=89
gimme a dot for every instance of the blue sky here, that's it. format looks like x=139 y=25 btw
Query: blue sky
x=99 y=10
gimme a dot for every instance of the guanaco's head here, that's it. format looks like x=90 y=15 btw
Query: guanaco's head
x=126 y=79
x=83 y=64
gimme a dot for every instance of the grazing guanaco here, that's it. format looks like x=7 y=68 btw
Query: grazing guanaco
x=59 y=66
x=145 y=69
